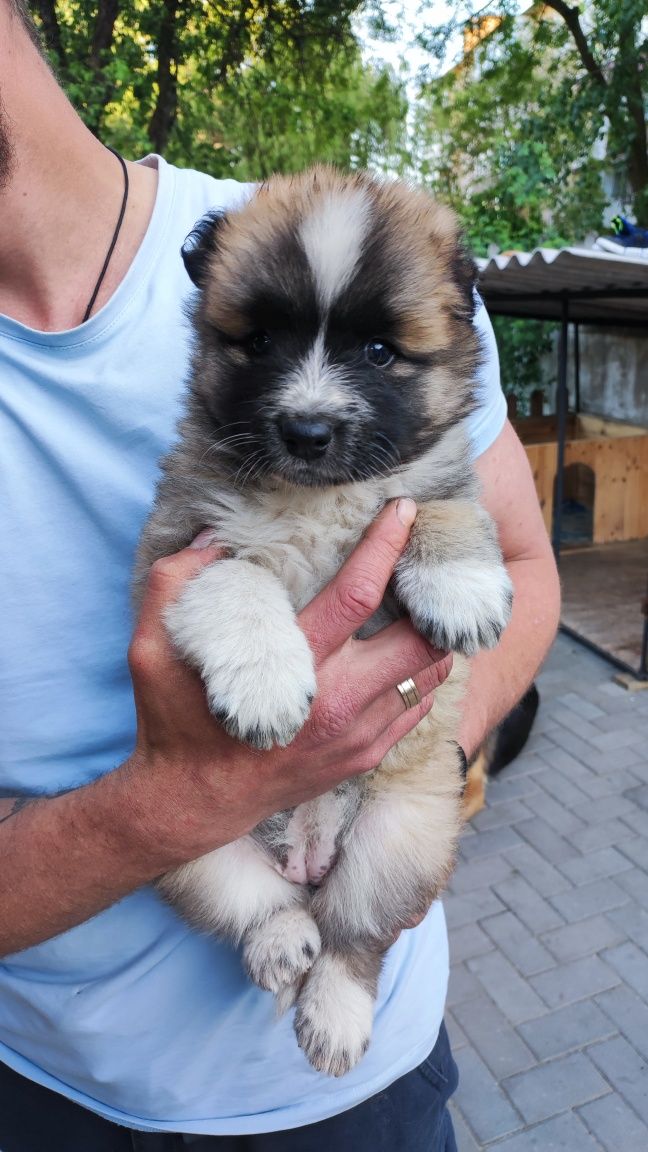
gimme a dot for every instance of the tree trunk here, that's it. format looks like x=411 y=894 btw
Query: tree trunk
x=102 y=38
x=630 y=66
x=46 y=10
x=166 y=106
x=104 y=28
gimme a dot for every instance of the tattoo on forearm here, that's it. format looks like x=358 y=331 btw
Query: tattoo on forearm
x=21 y=802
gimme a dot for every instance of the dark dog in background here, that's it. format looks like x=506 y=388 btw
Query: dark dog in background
x=499 y=750
x=334 y=363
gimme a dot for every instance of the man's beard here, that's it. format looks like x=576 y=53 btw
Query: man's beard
x=6 y=150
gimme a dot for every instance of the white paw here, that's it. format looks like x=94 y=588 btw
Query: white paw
x=234 y=623
x=281 y=950
x=461 y=606
x=334 y=1018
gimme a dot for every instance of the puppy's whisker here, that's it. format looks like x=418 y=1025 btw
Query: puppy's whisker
x=379 y=453
x=261 y=467
x=246 y=463
x=233 y=439
x=230 y=441
x=378 y=463
x=232 y=424
x=226 y=445
x=390 y=445
x=254 y=460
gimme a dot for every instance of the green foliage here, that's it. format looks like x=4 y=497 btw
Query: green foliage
x=505 y=142
x=239 y=89
x=526 y=361
x=528 y=137
x=282 y=115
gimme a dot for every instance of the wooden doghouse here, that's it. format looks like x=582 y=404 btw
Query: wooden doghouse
x=617 y=455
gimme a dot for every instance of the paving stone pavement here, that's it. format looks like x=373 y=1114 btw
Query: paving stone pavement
x=548 y=920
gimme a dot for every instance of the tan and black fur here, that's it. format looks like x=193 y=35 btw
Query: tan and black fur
x=334 y=364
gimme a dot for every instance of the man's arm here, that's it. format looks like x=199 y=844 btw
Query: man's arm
x=499 y=678
x=189 y=788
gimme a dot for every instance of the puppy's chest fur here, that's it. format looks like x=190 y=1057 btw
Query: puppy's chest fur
x=303 y=536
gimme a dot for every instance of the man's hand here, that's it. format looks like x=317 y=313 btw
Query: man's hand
x=188 y=787
x=210 y=788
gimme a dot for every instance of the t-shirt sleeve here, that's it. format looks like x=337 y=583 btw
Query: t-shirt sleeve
x=486 y=422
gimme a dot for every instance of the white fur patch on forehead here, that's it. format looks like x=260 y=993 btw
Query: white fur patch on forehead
x=332 y=234
x=317 y=386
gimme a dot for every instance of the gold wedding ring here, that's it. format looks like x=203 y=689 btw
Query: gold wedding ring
x=409 y=693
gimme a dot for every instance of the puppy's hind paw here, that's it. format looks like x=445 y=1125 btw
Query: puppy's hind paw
x=280 y=951
x=334 y=1018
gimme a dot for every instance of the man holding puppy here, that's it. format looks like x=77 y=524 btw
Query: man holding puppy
x=119 y=1026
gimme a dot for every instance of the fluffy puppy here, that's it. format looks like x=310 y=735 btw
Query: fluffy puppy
x=334 y=364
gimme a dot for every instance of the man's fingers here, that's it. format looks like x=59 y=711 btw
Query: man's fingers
x=168 y=576
x=394 y=655
x=356 y=592
x=405 y=721
x=389 y=708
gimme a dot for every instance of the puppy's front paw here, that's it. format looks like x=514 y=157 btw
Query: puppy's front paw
x=234 y=624
x=461 y=606
x=266 y=701
x=281 y=950
x=334 y=1018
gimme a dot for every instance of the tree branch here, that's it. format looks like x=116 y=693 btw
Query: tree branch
x=571 y=17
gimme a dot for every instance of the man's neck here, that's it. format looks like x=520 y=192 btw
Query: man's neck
x=60 y=205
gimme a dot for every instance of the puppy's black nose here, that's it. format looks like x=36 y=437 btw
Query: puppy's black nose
x=306 y=439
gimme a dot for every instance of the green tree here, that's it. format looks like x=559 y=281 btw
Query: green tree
x=505 y=138
x=531 y=133
x=241 y=88
x=275 y=119
x=570 y=76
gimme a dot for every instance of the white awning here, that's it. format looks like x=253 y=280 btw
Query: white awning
x=600 y=288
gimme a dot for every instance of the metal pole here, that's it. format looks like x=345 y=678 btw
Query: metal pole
x=643 y=662
x=577 y=406
x=562 y=404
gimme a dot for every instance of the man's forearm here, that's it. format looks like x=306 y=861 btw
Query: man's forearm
x=499 y=678
x=65 y=858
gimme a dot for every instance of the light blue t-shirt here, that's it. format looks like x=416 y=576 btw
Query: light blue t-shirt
x=132 y=1014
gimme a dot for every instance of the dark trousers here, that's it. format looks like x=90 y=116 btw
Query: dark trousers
x=409 y=1116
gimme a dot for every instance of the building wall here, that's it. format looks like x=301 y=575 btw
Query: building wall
x=614 y=374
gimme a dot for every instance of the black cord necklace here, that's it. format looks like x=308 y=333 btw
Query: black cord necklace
x=111 y=249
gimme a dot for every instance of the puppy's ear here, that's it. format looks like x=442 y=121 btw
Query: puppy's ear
x=465 y=273
x=201 y=243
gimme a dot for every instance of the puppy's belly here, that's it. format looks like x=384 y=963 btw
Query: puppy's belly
x=311 y=838
x=310 y=852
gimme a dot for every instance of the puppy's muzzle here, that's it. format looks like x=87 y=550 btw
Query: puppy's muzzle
x=306 y=439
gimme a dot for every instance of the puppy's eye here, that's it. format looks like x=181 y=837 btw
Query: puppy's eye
x=378 y=353
x=259 y=343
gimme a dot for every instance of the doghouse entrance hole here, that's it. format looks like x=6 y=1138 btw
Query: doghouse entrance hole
x=579 y=490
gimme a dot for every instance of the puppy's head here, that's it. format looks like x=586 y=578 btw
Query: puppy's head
x=334 y=325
